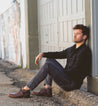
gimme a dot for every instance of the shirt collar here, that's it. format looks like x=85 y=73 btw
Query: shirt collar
x=83 y=45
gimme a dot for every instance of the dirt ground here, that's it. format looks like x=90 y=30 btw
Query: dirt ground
x=13 y=78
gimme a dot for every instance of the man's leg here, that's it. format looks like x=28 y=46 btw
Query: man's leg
x=25 y=92
x=55 y=70
x=43 y=73
x=48 y=82
x=57 y=74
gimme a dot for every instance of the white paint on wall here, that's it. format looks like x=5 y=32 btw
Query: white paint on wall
x=56 y=20
x=13 y=34
x=23 y=32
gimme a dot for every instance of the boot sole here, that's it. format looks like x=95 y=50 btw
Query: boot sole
x=18 y=97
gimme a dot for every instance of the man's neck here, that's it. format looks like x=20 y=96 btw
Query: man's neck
x=79 y=44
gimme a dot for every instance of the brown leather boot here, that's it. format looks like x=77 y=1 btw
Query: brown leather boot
x=44 y=92
x=20 y=94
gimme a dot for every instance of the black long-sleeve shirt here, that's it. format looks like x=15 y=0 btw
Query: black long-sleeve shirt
x=78 y=62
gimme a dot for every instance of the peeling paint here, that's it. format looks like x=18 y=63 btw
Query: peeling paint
x=10 y=40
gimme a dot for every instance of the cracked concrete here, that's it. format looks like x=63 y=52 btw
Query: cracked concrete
x=11 y=80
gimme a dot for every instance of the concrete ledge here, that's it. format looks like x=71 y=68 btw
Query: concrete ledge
x=78 y=97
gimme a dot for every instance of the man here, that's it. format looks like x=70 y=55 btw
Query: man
x=69 y=78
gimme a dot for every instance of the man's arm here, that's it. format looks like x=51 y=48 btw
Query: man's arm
x=57 y=55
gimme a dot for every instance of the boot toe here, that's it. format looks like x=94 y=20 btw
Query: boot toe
x=20 y=94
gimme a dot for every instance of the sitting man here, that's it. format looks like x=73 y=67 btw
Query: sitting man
x=69 y=78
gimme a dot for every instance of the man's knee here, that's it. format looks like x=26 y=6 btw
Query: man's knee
x=50 y=60
x=49 y=63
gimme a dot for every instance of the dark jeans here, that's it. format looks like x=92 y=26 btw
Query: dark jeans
x=51 y=70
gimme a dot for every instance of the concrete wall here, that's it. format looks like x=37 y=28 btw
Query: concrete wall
x=91 y=20
x=56 y=20
x=12 y=35
x=19 y=33
x=32 y=32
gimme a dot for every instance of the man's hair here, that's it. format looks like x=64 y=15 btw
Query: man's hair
x=85 y=29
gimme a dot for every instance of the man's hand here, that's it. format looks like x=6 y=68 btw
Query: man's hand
x=38 y=58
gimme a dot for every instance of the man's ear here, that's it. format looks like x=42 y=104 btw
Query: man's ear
x=84 y=37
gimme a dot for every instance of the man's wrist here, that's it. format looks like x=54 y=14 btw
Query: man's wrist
x=42 y=54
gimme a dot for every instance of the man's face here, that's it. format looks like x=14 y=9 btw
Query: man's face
x=78 y=36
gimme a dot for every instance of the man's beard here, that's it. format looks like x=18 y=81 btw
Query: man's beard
x=78 y=41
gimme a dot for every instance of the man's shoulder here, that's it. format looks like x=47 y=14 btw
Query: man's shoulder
x=85 y=50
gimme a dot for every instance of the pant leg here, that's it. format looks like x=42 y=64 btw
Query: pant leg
x=55 y=70
x=48 y=80
x=58 y=75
